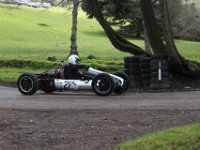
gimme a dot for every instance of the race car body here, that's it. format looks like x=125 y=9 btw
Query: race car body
x=102 y=83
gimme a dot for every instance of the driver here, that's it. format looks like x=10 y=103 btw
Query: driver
x=72 y=69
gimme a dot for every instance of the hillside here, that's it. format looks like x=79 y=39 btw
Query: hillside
x=36 y=33
x=40 y=32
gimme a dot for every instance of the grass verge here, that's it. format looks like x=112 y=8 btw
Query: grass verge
x=178 y=138
x=30 y=35
x=11 y=69
x=10 y=74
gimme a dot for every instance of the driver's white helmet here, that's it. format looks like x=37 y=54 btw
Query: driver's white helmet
x=73 y=59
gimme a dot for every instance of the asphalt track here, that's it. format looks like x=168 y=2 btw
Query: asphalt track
x=10 y=98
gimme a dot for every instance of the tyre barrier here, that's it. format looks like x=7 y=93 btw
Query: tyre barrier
x=144 y=65
x=131 y=65
x=133 y=59
x=155 y=74
x=135 y=81
x=155 y=63
x=145 y=59
x=148 y=72
x=138 y=70
x=135 y=72
x=159 y=56
x=145 y=71
x=162 y=67
x=160 y=78
x=132 y=69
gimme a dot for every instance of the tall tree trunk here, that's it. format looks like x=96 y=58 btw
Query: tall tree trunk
x=138 y=27
x=175 y=58
x=177 y=63
x=153 y=33
x=116 y=40
x=74 y=28
x=146 y=42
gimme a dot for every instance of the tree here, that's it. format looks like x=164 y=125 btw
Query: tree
x=74 y=28
x=185 y=20
x=177 y=63
x=159 y=46
x=116 y=40
x=189 y=22
x=126 y=14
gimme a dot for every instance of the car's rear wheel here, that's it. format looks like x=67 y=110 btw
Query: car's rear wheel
x=103 y=84
x=28 y=84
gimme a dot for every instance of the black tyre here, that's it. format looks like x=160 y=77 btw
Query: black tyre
x=159 y=56
x=132 y=71
x=163 y=74
x=163 y=68
x=155 y=63
x=145 y=71
x=28 y=84
x=135 y=81
x=145 y=76
x=131 y=65
x=163 y=80
x=103 y=84
x=134 y=77
x=125 y=86
x=146 y=83
x=145 y=60
x=144 y=65
x=157 y=86
x=134 y=59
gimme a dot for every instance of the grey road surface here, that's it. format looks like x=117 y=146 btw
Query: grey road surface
x=12 y=99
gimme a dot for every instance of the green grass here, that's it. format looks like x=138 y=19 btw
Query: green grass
x=179 y=138
x=35 y=34
x=189 y=49
x=28 y=36
x=10 y=70
x=10 y=74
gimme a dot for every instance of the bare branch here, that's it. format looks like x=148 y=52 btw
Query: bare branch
x=60 y=2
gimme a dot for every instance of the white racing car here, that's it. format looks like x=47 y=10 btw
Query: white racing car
x=102 y=83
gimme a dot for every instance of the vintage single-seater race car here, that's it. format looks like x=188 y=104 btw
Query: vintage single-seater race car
x=102 y=83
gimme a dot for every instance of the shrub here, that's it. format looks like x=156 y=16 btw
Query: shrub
x=91 y=57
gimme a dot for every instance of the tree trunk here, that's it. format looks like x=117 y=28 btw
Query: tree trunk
x=177 y=63
x=146 y=42
x=116 y=40
x=138 y=27
x=153 y=33
x=74 y=28
x=175 y=59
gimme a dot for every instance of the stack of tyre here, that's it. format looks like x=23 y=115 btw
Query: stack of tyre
x=132 y=69
x=160 y=77
x=145 y=71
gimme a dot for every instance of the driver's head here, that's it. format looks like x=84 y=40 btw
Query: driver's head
x=73 y=59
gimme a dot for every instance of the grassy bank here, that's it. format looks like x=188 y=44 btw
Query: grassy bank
x=11 y=69
x=28 y=36
x=36 y=33
x=179 y=138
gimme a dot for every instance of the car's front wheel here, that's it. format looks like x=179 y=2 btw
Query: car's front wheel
x=125 y=86
x=28 y=84
x=103 y=84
